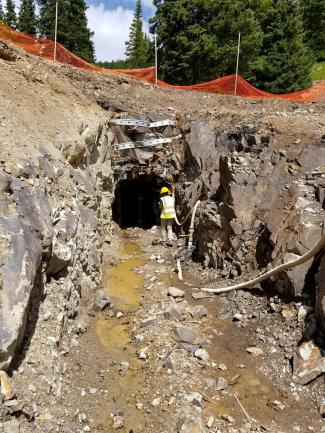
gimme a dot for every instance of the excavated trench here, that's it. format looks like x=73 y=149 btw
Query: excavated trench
x=97 y=332
x=124 y=285
x=118 y=345
x=232 y=241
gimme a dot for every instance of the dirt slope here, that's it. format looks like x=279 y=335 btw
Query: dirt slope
x=42 y=101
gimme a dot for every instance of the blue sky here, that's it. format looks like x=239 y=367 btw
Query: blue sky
x=110 y=20
x=125 y=4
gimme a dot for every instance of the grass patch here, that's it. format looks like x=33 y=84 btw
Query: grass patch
x=318 y=71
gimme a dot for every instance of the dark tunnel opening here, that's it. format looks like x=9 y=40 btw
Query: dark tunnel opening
x=136 y=201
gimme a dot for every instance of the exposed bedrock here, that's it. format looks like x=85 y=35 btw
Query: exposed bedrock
x=263 y=202
x=55 y=216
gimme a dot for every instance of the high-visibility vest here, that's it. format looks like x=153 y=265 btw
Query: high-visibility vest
x=168 y=209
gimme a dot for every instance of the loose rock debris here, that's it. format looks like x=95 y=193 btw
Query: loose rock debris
x=160 y=354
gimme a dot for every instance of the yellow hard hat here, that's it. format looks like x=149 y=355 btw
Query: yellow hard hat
x=164 y=190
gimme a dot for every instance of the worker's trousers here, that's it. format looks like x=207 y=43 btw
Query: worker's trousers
x=167 y=229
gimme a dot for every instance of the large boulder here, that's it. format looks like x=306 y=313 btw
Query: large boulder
x=308 y=363
x=297 y=276
x=19 y=266
x=26 y=236
x=7 y=52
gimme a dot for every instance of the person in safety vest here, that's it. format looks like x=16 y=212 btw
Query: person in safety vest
x=168 y=214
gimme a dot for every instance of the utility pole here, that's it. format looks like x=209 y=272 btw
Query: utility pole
x=237 y=65
x=56 y=29
x=156 y=59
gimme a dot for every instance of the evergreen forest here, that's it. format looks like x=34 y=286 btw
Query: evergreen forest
x=281 y=40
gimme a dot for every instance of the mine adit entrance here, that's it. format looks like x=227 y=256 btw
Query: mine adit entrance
x=136 y=201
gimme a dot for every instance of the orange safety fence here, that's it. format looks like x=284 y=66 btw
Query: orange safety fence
x=226 y=86
x=45 y=48
x=223 y=86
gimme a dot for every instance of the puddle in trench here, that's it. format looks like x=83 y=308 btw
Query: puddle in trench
x=254 y=393
x=124 y=386
x=252 y=386
x=113 y=335
x=125 y=285
x=131 y=248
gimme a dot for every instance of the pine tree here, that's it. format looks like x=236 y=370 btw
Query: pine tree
x=198 y=38
x=79 y=36
x=138 y=46
x=198 y=41
x=2 y=15
x=73 y=32
x=150 y=51
x=286 y=60
x=314 y=24
x=10 y=16
x=114 y=64
x=27 y=18
x=46 y=23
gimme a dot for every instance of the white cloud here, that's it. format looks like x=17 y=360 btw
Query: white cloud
x=111 y=28
x=148 y=4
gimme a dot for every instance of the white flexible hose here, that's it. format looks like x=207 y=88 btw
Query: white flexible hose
x=193 y=212
x=319 y=246
x=190 y=242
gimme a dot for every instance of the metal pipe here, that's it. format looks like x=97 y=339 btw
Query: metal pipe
x=156 y=60
x=56 y=28
x=237 y=65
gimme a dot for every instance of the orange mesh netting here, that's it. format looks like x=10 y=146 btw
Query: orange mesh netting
x=226 y=86
x=45 y=48
x=223 y=86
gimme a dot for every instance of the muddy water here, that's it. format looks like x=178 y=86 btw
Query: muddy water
x=124 y=285
x=122 y=282
x=113 y=334
x=254 y=389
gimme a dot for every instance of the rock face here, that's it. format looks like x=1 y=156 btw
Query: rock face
x=20 y=260
x=54 y=218
x=262 y=203
x=73 y=151
x=60 y=257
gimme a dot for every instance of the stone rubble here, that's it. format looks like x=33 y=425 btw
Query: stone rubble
x=262 y=195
